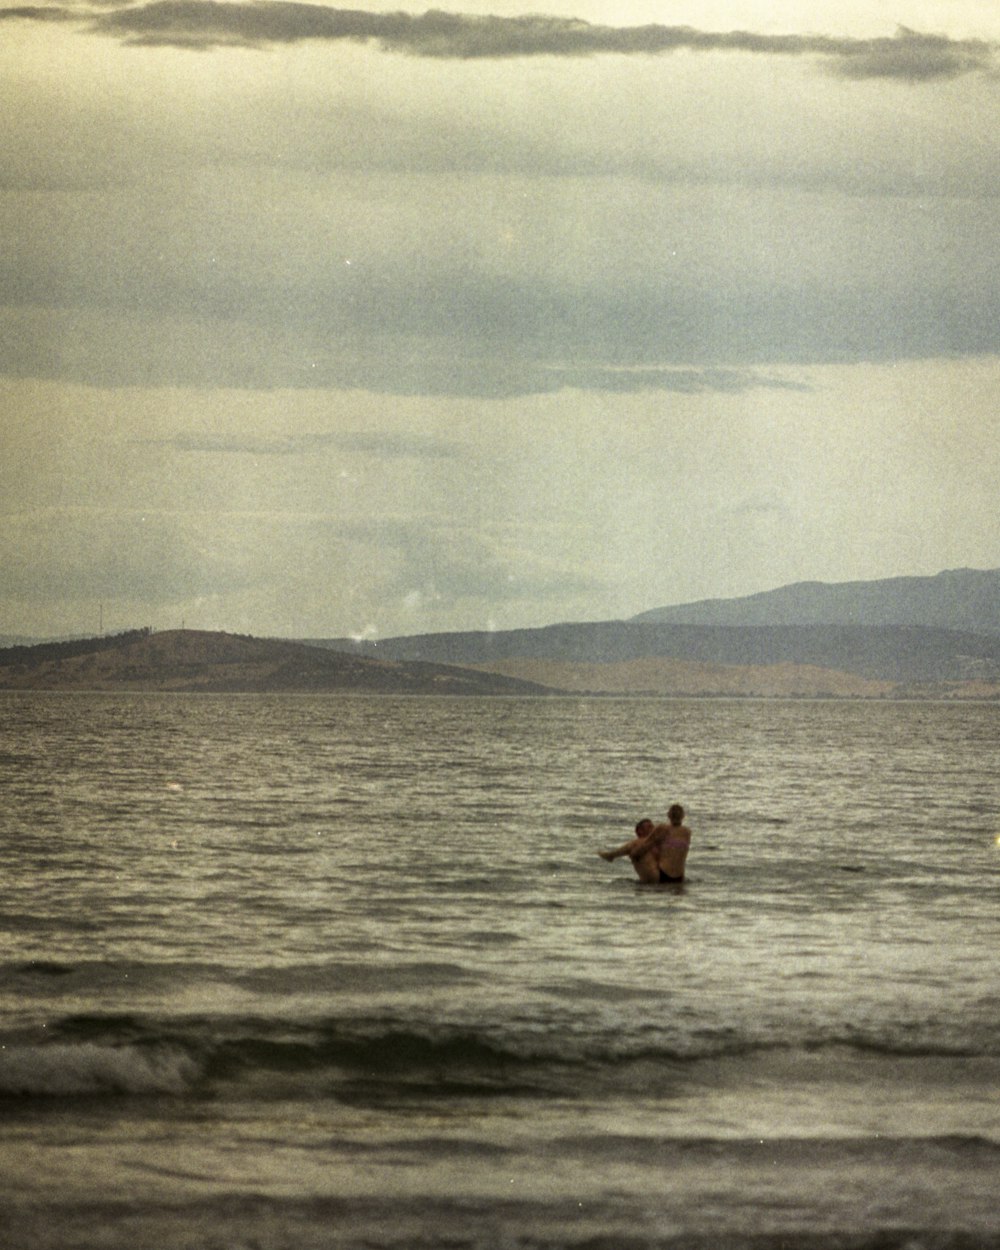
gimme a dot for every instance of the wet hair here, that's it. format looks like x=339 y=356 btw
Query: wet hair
x=645 y=821
x=676 y=814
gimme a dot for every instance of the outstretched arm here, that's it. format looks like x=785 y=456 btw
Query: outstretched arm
x=610 y=855
x=631 y=848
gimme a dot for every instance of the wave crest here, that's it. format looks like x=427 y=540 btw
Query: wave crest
x=89 y=1069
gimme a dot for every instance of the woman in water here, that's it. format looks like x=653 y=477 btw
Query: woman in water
x=673 y=841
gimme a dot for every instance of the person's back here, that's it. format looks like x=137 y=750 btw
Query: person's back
x=672 y=840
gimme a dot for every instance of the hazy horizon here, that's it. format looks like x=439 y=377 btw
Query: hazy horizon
x=22 y=639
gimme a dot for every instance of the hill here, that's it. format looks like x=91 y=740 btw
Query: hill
x=693 y=679
x=959 y=599
x=893 y=654
x=194 y=660
x=893 y=638
x=764 y=645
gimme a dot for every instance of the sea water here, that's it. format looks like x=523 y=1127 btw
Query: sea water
x=306 y=972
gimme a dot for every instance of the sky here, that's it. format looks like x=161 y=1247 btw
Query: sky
x=319 y=322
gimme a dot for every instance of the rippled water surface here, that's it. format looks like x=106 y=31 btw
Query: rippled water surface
x=347 y=971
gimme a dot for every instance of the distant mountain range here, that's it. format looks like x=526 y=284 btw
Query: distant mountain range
x=906 y=637
x=962 y=599
x=898 y=655
x=915 y=636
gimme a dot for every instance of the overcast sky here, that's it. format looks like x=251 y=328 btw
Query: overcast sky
x=323 y=321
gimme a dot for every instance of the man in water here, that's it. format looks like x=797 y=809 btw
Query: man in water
x=641 y=850
x=658 y=852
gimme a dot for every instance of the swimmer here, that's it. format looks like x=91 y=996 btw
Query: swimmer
x=641 y=851
x=658 y=852
x=672 y=841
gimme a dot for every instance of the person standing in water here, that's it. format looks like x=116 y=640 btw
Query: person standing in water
x=658 y=852
x=673 y=841
x=641 y=852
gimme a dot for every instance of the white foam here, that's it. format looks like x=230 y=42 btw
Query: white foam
x=59 y=1070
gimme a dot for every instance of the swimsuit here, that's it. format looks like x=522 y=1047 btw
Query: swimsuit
x=680 y=843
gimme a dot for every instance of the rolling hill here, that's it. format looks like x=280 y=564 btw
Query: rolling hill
x=886 y=639
x=193 y=660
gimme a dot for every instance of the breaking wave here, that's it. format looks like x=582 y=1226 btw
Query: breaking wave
x=353 y=1059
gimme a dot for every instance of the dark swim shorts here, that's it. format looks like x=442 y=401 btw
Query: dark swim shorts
x=664 y=878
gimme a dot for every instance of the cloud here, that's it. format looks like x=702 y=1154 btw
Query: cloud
x=438 y=566
x=409 y=229
x=625 y=380
x=100 y=350
x=380 y=446
x=909 y=55
x=396 y=446
x=39 y=13
x=913 y=57
x=85 y=554
x=755 y=506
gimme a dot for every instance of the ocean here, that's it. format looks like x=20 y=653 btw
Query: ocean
x=326 y=971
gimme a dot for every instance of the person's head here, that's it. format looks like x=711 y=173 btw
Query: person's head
x=676 y=814
x=643 y=827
